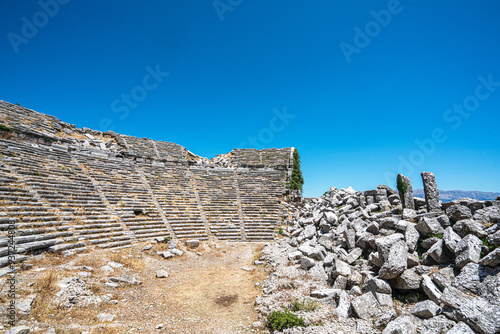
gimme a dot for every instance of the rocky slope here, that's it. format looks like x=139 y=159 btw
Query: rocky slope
x=380 y=268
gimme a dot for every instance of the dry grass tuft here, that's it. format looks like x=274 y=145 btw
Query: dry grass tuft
x=45 y=288
x=89 y=261
x=107 y=330
x=52 y=260
x=47 y=283
x=67 y=331
x=135 y=262
x=258 y=253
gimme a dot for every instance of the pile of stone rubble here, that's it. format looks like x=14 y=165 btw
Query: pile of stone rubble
x=374 y=249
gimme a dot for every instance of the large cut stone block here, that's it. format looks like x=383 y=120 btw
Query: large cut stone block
x=405 y=191
x=431 y=192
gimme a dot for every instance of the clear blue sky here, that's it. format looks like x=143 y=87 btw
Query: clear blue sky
x=363 y=80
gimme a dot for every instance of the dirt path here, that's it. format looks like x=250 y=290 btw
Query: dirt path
x=203 y=294
x=207 y=293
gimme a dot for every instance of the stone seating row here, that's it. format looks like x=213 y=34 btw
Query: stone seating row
x=77 y=200
x=171 y=187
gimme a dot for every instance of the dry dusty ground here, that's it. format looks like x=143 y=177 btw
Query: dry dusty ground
x=202 y=294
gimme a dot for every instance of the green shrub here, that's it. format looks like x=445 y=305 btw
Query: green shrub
x=278 y=320
x=167 y=239
x=280 y=231
x=490 y=247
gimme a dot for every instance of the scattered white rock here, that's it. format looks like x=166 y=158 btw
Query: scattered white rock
x=105 y=317
x=115 y=265
x=161 y=273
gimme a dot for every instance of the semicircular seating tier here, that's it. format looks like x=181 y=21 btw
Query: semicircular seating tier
x=65 y=189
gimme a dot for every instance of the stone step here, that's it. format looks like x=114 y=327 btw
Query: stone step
x=151 y=230
x=37 y=237
x=39 y=219
x=99 y=231
x=17 y=258
x=36 y=245
x=63 y=247
x=153 y=234
x=115 y=244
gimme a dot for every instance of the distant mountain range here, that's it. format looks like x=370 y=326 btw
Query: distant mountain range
x=450 y=195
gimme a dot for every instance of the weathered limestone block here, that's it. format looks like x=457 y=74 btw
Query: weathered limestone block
x=480 y=315
x=401 y=325
x=494 y=239
x=306 y=263
x=458 y=212
x=319 y=272
x=492 y=259
x=460 y=328
x=469 y=226
x=343 y=304
x=384 y=244
x=443 y=277
x=341 y=268
x=405 y=191
x=375 y=259
x=366 y=306
x=430 y=289
x=331 y=217
x=309 y=231
x=353 y=255
x=411 y=237
x=451 y=239
x=350 y=238
x=340 y=283
x=377 y=285
x=193 y=243
x=409 y=280
x=455 y=298
x=439 y=324
x=295 y=255
x=468 y=250
x=427 y=226
x=431 y=192
x=470 y=277
x=396 y=262
x=425 y=309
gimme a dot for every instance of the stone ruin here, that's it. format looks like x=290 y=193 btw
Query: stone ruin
x=370 y=248
x=65 y=188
